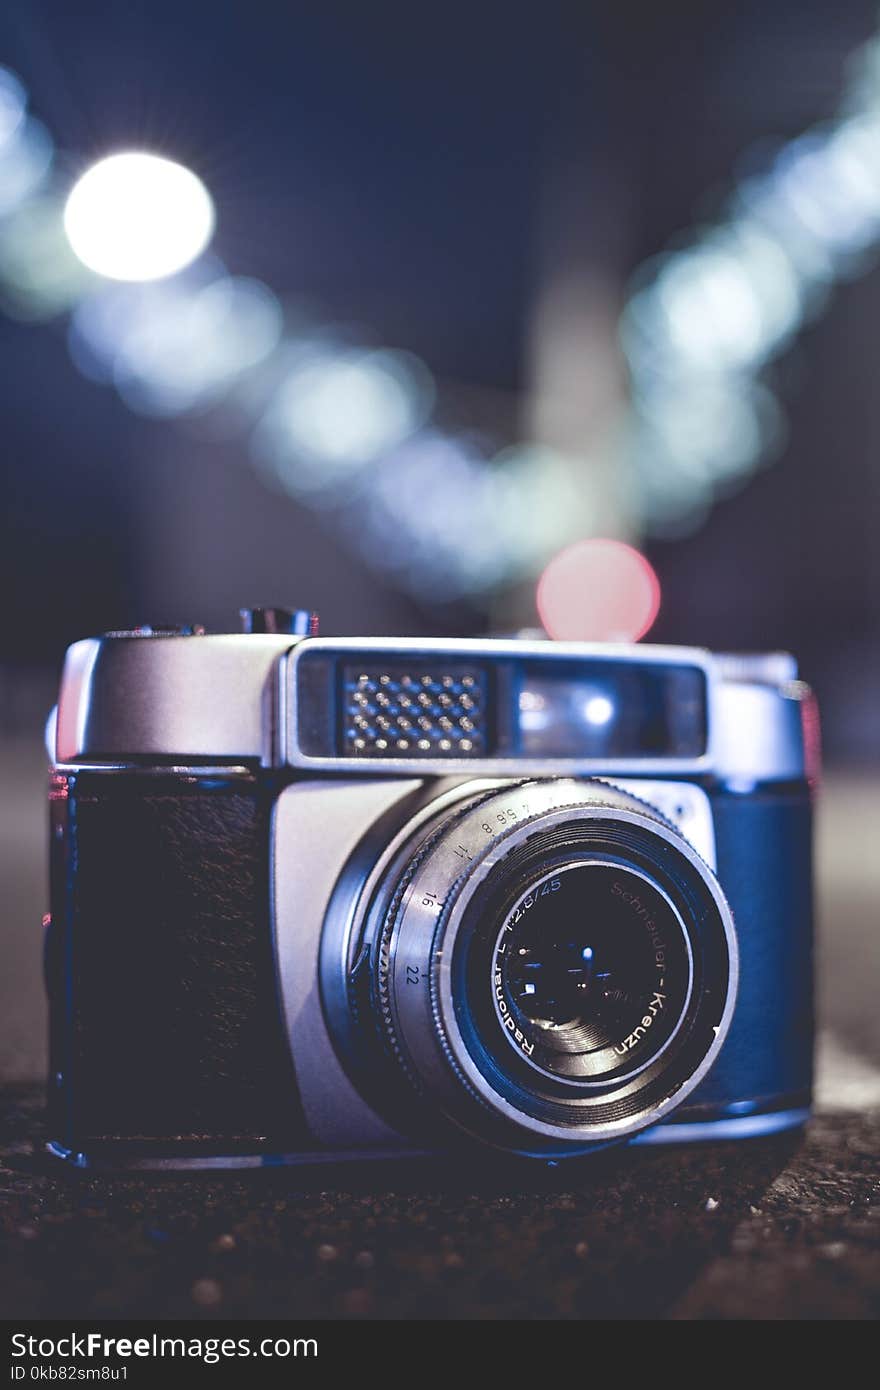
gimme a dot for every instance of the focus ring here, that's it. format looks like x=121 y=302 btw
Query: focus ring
x=382 y=976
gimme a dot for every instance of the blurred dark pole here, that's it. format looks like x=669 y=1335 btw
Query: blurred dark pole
x=574 y=389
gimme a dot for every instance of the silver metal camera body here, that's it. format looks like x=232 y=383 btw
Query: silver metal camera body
x=444 y=842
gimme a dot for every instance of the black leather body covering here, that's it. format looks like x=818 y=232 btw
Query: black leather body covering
x=165 y=1020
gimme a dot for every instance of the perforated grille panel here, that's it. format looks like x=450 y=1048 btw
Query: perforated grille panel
x=411 y=712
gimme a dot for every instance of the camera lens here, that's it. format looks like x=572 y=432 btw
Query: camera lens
x=547 y=966
x=590 y=966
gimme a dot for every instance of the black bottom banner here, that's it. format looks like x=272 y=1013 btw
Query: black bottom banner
x=257 y=1353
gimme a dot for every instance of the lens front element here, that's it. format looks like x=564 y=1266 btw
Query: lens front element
x=591 y=971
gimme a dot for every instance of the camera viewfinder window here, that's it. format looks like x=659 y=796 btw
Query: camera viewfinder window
x=611 y=710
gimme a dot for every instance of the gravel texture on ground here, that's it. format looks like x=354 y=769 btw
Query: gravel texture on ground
x=775 y=1228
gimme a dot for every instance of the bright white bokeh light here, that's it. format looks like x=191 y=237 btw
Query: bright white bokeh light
x=713 y=311
x=136 y=216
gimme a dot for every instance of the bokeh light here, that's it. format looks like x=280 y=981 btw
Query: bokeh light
x=40 y=277
x=170 y=363
x=13 y=103
x=25 y=161
x=336 y=410
x=598 y=591
x=423 y=515
x=176 y=345
x=136 y=216
x=537 y=502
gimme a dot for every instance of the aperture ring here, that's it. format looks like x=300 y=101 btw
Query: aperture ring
x=382 y=971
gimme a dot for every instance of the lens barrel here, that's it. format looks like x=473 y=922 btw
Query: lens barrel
x=550 y=966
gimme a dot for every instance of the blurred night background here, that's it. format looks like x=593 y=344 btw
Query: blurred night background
x=483 y=282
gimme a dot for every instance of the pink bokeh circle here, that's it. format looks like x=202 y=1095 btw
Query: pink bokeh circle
x=598 y=590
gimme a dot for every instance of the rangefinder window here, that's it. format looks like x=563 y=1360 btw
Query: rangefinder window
x=611 y=710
